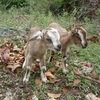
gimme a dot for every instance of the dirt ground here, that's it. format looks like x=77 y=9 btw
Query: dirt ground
x=12 y=88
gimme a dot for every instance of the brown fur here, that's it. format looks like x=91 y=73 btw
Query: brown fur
x=68 y=38
x=36 y=49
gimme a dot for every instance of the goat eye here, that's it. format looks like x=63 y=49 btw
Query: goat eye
x=78 y=38
x=49 y=40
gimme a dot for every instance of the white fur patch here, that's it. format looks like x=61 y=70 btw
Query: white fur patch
x=82 y=38
x=24 y=64
x=43 y=76
x=27 y=76
x=54 y=35
x=83 y=29
x=38 y=34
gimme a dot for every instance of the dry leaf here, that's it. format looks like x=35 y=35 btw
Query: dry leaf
x=94 y=75
x=12 y=58
x=94 y=39
x=14 y=66
x=60 y=67
x=32 y=97
x=91 y=96
x=86 y=67
x=36 y=92
x=49 y=75
x=52 y=70
x=60 y=82
x=54 y=95
x=78 y=72
x=98 y=78
x=58 y=63
x=16 y=48
x=38 y=81
x=33 y=67
x=76 y=82
x=1 y=50
x=3 y=68
x=88 y=64
x=65 y=89
x=5 y=57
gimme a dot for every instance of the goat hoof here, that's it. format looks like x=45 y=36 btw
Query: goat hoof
x=28 y=67
x=25 y=80
x=44 y=68
x=65 y=71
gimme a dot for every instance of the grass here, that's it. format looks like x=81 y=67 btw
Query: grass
x=14 y=19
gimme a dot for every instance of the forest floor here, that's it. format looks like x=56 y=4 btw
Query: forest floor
x=74 y=85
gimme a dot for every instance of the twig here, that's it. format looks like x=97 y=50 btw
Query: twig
x=89 y=78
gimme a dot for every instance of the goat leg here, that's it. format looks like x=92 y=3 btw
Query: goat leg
x=51 y=56
x=43 y=69
x=64 y=61
x=27 y=75
x=28 y=62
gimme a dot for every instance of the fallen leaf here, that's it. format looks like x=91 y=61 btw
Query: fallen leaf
x=12 y=58
x=54 y=95
x=38 y=81
x=3 y=68
x=94 y=75
x=32 y=97
x=57 y=64
x=49 y=75
x=60 y=82
x=87 y=67
x=98 y=77
x=76 y=82
x=65 y=89
x=60 y=67
x=52 y=70
x=1 y=50
x=36 y=92
x=93 y=38
x=14 y=66
x=16 y=48
x=88 y=64
x=33 y=67
x=78 y=72
x=5 y=57
x=91 y=96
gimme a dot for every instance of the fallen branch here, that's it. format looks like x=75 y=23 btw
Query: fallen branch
x=89 y=78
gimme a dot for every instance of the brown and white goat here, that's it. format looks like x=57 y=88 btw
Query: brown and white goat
x=76 y=36
x=36 y=48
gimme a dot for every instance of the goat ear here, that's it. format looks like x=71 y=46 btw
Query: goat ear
x=38 y=35
x=74 y=31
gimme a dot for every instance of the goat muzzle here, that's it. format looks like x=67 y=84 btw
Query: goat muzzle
x=58 y=48
x=85 y=45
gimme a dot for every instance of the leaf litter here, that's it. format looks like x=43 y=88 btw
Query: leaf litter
x=12 y=58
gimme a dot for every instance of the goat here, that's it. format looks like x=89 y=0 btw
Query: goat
x=76 y=36
x=37 y=45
